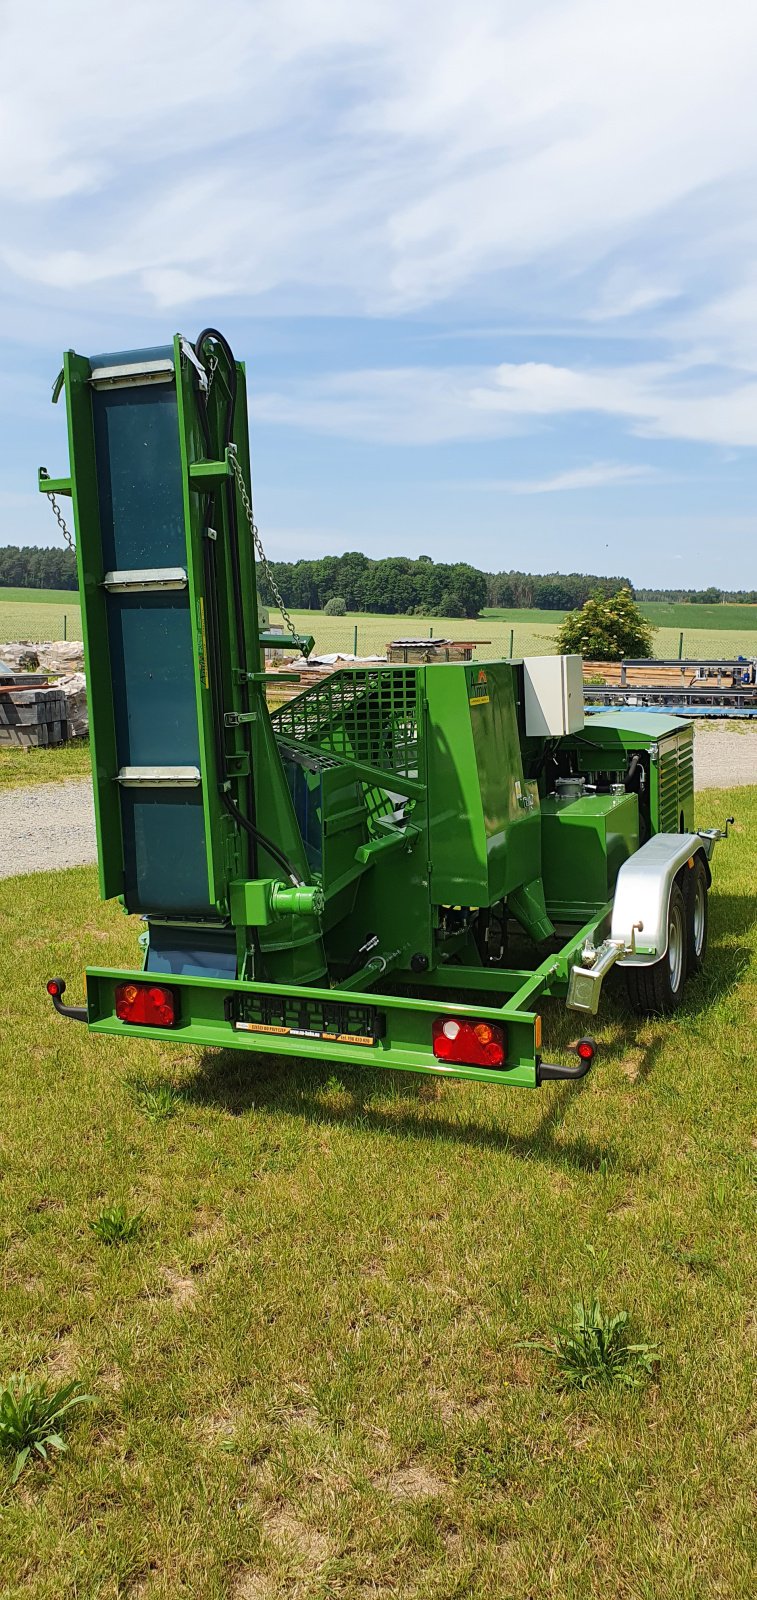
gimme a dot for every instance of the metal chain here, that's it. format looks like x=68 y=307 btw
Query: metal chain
x=59 y=517
x=247 y=503
x=212 y=364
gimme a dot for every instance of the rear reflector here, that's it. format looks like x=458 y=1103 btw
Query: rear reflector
x=468 y=1044
x=147 y=1003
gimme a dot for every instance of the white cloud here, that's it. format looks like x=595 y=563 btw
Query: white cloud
x=375 y=155
x=416 y=405
x=599 y=475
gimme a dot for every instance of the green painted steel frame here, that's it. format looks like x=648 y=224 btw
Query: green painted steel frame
x=407 y=1046
x=90 y=570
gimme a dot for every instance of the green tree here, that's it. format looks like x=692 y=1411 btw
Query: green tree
x=607 y=628
x=336 y=606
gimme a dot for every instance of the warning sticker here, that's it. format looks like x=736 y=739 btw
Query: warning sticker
x=478 y=694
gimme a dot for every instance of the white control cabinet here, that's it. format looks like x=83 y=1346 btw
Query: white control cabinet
x=554 y=688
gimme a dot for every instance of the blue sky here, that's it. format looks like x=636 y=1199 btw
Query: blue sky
x=492 y=267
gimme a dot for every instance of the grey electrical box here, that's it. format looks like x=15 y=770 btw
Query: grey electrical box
x=554 y=695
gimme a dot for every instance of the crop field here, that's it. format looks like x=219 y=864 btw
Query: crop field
x=712 y=618
x=39 y=614
x=42 y=617
x=306 y=1299
x=689 y=617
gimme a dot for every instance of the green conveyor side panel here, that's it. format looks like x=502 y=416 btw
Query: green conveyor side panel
x=133 y=517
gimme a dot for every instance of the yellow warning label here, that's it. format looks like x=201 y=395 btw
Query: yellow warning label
x=203 y=645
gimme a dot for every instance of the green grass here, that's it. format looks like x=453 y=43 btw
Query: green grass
x=308 y=1371
x=42 y=597
x=732 y=618
x=534 y=633
x=663 y=614
x=21 y=767
x=40 y=617
x=708 y=630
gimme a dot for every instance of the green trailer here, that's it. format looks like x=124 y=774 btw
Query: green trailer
x=396 y=867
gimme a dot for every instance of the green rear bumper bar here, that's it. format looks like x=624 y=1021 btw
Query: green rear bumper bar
x=209 y=1010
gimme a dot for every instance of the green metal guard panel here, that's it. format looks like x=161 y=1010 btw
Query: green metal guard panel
x=368 y=715
x=584 y=844
x=483 y=813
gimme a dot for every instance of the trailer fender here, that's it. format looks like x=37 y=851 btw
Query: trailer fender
x=642 y=895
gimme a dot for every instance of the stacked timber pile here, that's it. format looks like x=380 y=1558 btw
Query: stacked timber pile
x=714 y=685
x=424 y=650
x=310 y=671
x=641 y=675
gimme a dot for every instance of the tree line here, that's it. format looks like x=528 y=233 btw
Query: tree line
x=709 y=597
x=397 y=585
x=394 y=585
x=36 y=567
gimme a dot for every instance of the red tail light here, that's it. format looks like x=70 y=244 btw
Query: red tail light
x=147 y=1003
x=468 y=1044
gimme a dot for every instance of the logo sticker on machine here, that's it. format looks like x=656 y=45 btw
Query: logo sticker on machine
x=479 y=690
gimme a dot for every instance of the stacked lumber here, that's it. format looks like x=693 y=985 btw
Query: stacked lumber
x=646 y=675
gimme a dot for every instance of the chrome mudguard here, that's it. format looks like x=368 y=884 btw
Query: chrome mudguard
x=642 y=895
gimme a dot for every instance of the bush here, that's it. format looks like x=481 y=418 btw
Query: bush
x=335 y=607
x=607 y=628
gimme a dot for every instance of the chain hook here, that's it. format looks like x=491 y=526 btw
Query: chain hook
x=59 y=517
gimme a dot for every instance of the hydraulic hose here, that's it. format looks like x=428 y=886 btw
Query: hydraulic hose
x=260 y=838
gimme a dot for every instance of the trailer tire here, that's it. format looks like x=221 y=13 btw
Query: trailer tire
x=696 y=901
x=657 y=989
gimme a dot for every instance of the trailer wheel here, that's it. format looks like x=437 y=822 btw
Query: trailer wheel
x=696 y=901
x=656 y=989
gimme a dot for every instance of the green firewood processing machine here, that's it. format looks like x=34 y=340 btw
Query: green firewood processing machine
x=396 y=867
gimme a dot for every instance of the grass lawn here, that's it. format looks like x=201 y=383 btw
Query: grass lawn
x=307 y=1362
x=21 y=767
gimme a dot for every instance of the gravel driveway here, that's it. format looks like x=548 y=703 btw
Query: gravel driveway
x=53 y=824
x=725 y=758
x=49 y=825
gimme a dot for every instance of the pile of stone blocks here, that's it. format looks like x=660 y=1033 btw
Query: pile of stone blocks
x=33 y=717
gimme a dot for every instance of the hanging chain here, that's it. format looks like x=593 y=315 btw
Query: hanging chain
x=212 y=364
x=247 y=503
x=59 y=517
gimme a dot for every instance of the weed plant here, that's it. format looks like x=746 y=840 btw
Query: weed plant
x=31 y=1418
